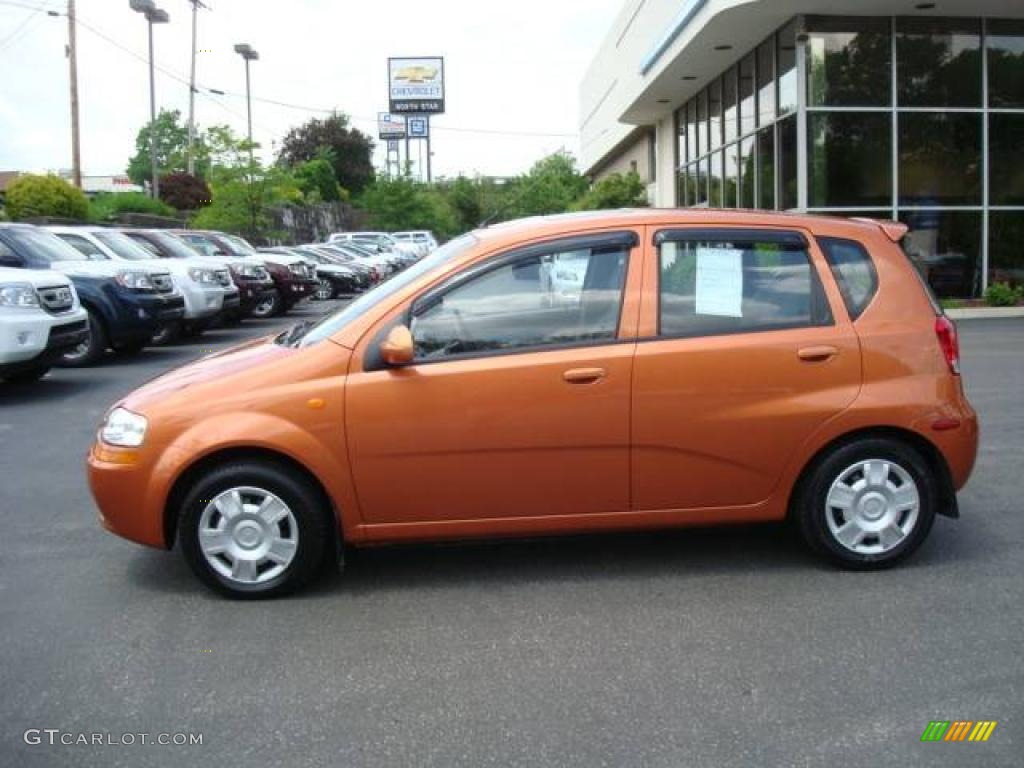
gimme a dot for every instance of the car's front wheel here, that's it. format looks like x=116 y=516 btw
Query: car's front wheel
x=89 y=351
x=867 y=504
x=324 y=289
x=255 y=530
x=268 y=306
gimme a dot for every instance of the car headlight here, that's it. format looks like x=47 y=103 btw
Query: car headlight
x=203 y=276
x=137 y=280
x=18 y=295
x=123 y=428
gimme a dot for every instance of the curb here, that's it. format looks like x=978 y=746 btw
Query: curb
x=985 y=313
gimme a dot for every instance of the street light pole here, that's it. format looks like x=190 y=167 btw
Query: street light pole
x=248 y=53
x=153 y=16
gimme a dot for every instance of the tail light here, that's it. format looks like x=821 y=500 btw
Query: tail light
x=945 y=331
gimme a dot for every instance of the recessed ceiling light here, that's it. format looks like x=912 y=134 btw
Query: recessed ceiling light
x=723 y=47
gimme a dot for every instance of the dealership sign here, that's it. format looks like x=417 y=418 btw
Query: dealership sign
x=390 y=126
x=419 y=127
x=416 y=85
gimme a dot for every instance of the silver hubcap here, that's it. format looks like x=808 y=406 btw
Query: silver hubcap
x=872 y=506
x=265 y=307
x=248 y=535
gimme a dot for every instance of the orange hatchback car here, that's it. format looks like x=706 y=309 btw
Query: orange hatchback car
x=589 y=372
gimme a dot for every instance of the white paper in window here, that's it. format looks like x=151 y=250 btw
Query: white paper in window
x=719 y=282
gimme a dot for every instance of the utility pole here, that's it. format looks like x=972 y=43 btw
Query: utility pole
x=76 y=151
x=192 y=93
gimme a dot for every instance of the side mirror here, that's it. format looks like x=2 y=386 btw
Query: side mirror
x=397 y=348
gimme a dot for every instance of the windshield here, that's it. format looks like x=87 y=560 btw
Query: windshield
x=333 y=323
x=123 y=245
x=238 y=245
x=201 y=243
x=42 y=246
x=172 y=246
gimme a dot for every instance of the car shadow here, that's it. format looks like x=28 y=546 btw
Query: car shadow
x=509 y=563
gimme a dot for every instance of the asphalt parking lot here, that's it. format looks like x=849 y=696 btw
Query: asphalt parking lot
x=728 y=647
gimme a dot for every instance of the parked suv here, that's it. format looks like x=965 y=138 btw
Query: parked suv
x=255 y=285
x=40 y=319
x=196 y=279
x=715 y=367
x=126 y=304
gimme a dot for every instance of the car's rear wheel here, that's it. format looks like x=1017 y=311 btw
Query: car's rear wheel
x=867 y=504
x=89 y=351
x=254 y=530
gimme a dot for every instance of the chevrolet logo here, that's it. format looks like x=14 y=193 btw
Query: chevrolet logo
x=417 y=74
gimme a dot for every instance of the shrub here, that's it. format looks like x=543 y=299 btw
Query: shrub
x=1002 y=295
x=32 y=196
x=184 y=192
x=107 y=206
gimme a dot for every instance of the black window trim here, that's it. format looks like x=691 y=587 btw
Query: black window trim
x=727 y=235
x=628 y=240
x=851 y=310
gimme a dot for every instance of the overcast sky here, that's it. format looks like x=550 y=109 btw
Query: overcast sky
x=510 y=66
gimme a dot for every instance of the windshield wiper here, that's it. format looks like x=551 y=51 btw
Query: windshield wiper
x=294 y=334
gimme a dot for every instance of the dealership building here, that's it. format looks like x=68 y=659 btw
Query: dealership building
x=883 y=108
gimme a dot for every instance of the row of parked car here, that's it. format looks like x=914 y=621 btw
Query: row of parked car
x=68 y=294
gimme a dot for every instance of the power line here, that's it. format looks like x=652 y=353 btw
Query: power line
x=39 y=7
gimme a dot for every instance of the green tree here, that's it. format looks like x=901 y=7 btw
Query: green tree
x=402 y=203
x=171 y=148
x=31 y=196
x=242 y=196
x=552 y=186
x=352 y=150
x=617 y=190
x=317 y=179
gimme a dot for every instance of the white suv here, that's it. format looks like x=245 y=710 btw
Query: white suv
x=422 y=239
x=40 y=319
x=382 y=241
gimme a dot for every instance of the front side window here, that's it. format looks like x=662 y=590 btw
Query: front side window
x=563 y=297
x=719 y=282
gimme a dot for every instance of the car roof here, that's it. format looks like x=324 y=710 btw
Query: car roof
x=564 y=223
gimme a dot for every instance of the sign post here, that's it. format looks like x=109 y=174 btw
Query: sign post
x=416 y=91
x=390 y=129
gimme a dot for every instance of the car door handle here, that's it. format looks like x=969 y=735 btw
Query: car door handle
x=583 y=375
x=817 y=354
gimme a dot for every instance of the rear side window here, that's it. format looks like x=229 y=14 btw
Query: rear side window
x=854 y=272
x=722 y=282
